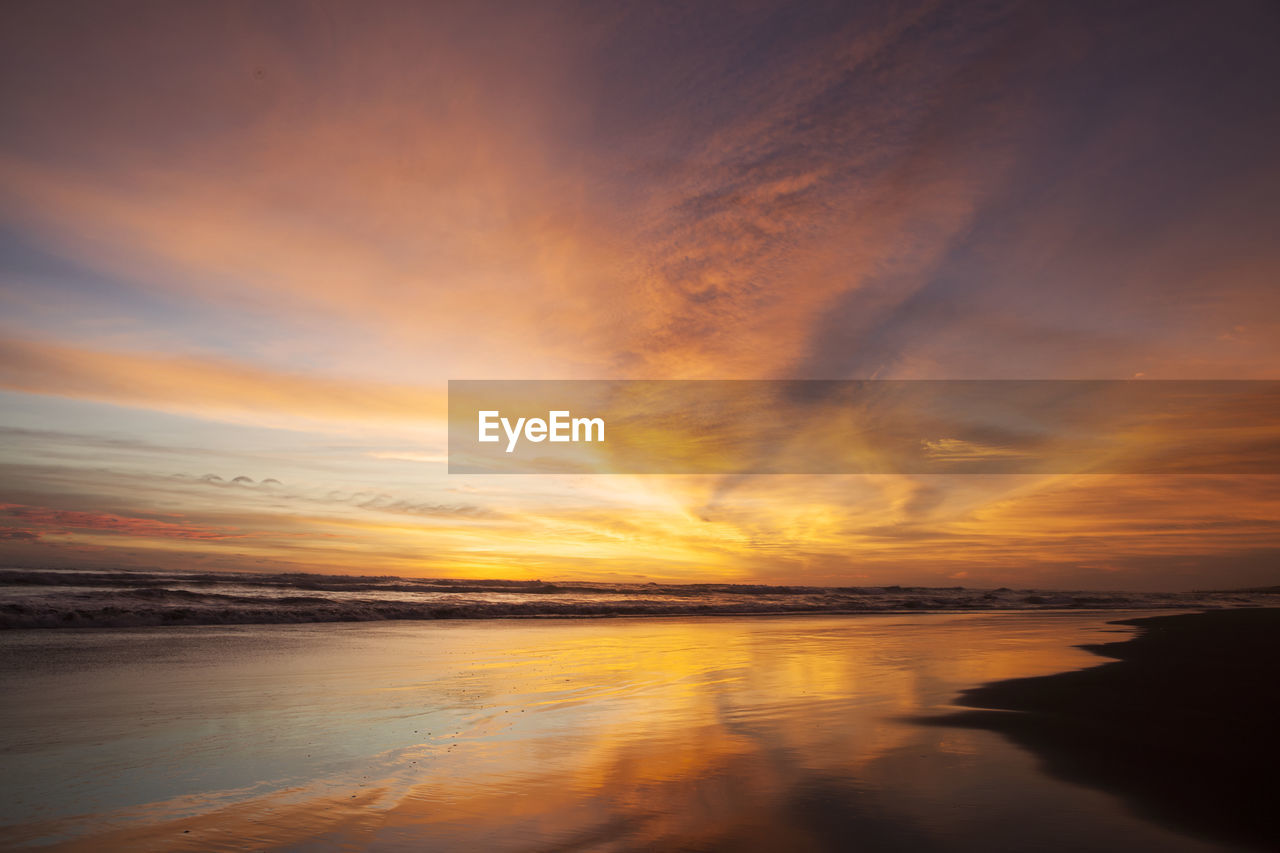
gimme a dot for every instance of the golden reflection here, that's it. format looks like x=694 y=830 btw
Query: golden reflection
x=602 y=733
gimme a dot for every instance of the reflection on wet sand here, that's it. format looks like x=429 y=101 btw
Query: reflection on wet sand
x=778 y=733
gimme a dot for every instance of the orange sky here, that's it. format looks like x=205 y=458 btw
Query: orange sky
x=244 y=246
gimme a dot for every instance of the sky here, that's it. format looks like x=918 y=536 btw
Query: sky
x=244 y=246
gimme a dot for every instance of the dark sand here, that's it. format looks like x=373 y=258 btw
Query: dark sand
x=1183 y=725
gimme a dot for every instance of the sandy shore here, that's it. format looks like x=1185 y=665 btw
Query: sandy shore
x=786 y=733
x=1182 y=725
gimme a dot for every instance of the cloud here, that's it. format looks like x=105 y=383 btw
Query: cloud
x=408 y=456
x=274 y=226
x=203 y=386
x=55 y=521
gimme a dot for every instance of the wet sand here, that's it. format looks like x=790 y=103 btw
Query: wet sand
x=1183 y=725
x=785 y=733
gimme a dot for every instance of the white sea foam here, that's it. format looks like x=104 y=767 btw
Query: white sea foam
x=62 y=599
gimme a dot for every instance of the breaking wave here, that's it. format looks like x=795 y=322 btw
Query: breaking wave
x=112 y=599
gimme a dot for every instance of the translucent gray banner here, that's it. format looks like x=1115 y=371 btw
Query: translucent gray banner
x=864 y=427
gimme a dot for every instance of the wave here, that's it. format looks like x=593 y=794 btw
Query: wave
x=118 y=599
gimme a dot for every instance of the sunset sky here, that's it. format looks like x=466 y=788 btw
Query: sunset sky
x=244 y=246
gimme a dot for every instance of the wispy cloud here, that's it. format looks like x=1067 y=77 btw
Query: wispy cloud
x=209 y=387
x=42 y=520
x=310 y=217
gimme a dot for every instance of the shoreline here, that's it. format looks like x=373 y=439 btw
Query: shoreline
x=1181 y=725
x=783 y=729
x=51 y=599
x=164 y=621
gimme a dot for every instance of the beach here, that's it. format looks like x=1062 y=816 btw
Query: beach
x=731 y=733
x=1182 y=725
x=602 y=427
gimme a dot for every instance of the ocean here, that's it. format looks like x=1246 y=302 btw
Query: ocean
x=67 y=599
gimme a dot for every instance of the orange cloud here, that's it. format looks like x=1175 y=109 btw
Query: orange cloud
x=443 y=192
x=45 y=520
x=209 y=387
